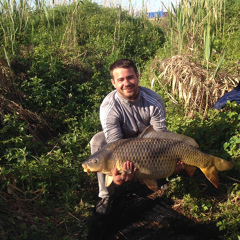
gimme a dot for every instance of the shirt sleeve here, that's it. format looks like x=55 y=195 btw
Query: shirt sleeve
x=158 y=116
x=110 y=121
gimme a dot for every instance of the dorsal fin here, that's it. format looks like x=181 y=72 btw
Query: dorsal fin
x=149 y=132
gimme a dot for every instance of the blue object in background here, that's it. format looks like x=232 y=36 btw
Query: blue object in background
x=234 y=95
x=155 y=14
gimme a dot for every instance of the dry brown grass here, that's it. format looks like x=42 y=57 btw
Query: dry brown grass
x=191 y=83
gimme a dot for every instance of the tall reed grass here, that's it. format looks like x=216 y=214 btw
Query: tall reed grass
x=27 y=22
x=191 y=19
x=19 y=17
x=13 y=19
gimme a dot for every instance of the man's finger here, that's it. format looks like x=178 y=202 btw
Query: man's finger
x=125 y=166
x=130 y=165
x=115 y=171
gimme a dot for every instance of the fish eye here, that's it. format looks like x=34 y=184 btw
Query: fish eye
x=95 y=160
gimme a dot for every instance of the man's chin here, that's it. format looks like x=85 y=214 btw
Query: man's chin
x=130 y=96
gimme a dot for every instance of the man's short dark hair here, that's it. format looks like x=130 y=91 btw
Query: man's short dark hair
x=122 y=63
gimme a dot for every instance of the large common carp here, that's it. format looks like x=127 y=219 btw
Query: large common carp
x=155 y=155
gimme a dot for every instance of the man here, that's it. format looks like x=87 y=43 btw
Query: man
x=125 y=113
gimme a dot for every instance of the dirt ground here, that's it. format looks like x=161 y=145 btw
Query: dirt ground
x=141 y=215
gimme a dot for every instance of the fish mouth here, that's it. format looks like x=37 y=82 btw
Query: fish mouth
x=86 y=168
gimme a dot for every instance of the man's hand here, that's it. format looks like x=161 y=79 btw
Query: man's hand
x=129 y=170
x=179 y=167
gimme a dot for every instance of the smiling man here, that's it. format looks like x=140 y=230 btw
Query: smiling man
x=126 y=81
x=125 y=113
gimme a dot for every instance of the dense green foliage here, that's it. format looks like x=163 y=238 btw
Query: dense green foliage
x=52 y=85
x=59 y=60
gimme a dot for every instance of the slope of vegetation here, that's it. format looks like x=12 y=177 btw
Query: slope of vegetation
x=53 y=76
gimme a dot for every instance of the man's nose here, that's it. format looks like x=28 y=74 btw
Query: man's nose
x=127 y=82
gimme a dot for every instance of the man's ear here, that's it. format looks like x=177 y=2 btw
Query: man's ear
x=113 y=82
x=138 y=77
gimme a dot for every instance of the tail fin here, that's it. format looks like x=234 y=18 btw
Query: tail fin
x=221 y=164
x=211 y=172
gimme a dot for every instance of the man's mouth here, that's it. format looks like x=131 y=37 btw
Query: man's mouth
x=129 y=89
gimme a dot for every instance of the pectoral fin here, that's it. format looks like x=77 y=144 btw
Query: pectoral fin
x=108 y=180
x=152 y=184
x=211 y=174
x=189 y=169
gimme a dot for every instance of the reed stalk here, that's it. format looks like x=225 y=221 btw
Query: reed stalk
x=170 y=16
x=13 y=22
x=117 y=27
x=219 y=64
x=208 y=43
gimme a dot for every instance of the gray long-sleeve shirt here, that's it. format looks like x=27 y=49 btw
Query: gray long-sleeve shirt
x=121 y=118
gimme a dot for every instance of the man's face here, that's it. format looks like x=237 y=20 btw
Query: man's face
x=126 y=81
